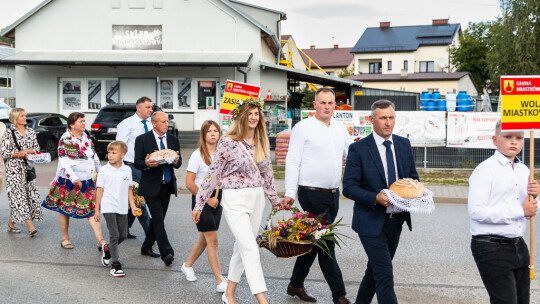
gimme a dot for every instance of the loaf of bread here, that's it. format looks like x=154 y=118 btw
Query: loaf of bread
x=161 y=154
x=408 y=188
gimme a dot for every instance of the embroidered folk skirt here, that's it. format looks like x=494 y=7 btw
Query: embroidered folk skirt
x=69 y=200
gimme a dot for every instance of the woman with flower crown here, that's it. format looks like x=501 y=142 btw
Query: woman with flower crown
x=243 y=169
x=72 y=192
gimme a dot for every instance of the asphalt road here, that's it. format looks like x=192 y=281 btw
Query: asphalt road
x=433 y=264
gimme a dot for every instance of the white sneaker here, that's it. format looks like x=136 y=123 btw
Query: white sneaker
x=190 y=274
x=223 y=285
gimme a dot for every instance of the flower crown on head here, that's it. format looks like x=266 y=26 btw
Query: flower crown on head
x=246 y=102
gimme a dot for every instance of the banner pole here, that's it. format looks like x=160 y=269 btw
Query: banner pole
x=531 y=178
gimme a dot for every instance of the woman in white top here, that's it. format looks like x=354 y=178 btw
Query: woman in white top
x=208 y=223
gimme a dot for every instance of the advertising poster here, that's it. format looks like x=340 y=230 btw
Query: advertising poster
x=235 y=91
x=471 y=129
x=71 y=95
x=112 y=93
x=422 y=128
x=184 y=93
x=520 y=103
x=166 y=94
x=94 y=94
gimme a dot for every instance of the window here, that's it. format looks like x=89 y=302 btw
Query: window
x=184 y=93
x=427 y=67
x=375 y=68
x=206 y=95
x=406 y=65
x=166 y=89
x=71 y=94
x=389 y=65
x=111 y=91
x=94 y=94
x=330 y=73
x=5 y=82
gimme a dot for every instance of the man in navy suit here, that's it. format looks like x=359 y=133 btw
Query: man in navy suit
x=373 y=164
x=157 y=184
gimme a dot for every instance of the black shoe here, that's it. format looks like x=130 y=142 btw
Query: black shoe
x=168 y=260
x=131 y=236
x=150 y=253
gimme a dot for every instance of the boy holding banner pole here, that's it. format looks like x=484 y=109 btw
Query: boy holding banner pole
x=501 y=192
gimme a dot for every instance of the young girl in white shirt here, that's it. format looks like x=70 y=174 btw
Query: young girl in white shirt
x=210 y=217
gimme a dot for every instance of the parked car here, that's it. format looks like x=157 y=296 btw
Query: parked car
x=48 y=126
x=103 y=129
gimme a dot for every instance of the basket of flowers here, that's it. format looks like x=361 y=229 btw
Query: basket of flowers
x=297 y=235
x=139 y=200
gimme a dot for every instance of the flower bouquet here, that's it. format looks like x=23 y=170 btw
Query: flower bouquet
x=297 y=235
x=139 y=200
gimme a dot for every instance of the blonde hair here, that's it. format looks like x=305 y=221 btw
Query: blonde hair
x=14 y=114
x=202 y=140
x=240 y=128
x=117 y=146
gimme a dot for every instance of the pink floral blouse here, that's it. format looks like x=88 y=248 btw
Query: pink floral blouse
x=237 y=172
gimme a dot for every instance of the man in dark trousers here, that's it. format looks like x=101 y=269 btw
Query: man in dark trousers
x=313 y=168
x=157 y=184
x=373 y=164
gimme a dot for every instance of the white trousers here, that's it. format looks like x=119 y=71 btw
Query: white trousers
x=243 y=210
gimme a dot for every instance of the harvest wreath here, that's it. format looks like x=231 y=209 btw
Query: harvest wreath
x=297 y=235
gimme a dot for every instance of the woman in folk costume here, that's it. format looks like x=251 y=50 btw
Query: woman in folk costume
x=243 y=169
x=72 y=192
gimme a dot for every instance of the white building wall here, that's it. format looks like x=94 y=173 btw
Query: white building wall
x=432 y=53
x=265 y=17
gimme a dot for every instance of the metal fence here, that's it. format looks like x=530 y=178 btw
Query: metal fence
x=10 y=101
x=445 y=157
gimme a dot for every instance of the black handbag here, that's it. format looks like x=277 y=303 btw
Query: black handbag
x=30 y=171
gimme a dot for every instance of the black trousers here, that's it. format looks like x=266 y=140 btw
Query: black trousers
x=504 y=269
x=318 y=202
x=379 y=276
x=158 y=209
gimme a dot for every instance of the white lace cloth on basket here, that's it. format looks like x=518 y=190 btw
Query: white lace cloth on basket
x=424 y=204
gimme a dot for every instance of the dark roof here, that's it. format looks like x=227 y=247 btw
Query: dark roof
x=410 y=77
x=404 y=38
x=330 y=57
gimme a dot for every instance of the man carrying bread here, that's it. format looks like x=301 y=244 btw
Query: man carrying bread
x=373 y=164
x=313 y=169
x=158 y=182
x=499 y=205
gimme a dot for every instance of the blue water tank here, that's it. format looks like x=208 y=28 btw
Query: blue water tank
x=424 y=98
x=435 y=97
x=462 y=101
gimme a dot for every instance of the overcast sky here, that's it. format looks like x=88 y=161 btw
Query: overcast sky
x=325 y=22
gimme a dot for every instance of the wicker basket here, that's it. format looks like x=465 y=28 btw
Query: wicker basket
x=288 y=249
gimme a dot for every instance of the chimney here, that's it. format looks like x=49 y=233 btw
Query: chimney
x=384 y=24
x=440 y=22
x=336 y=46
x=403 y=74
x=312 y=47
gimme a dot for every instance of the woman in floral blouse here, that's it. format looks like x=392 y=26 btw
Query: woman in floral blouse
x=72 y=191
x=243 y=169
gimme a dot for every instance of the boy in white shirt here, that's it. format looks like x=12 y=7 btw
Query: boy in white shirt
x=499 y=190
x=112 y=196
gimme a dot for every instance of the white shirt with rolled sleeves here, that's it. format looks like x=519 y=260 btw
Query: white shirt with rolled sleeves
x=128 y=130
x=315 y=156
x=115 y=183
x=496 y=192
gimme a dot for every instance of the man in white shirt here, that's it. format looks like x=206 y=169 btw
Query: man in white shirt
x=131 y=127
x=499 y=203
x=314 y=165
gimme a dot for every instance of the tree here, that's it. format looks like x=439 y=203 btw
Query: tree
x=346 y=73
x=514 y=40
x=309 y=97
x=470 y=55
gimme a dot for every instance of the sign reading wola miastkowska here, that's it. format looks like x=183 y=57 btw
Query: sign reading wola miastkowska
x=520 y=103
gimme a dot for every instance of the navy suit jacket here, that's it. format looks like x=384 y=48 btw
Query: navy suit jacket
x=364 y=178
x=151 y=178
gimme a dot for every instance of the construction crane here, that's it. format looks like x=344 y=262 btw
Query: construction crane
x=289 y=55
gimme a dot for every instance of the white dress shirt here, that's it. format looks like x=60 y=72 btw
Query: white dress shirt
x=315 y=156
x=128 y=130
x=158 y=141
x=496 y=191
x=379 y=141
